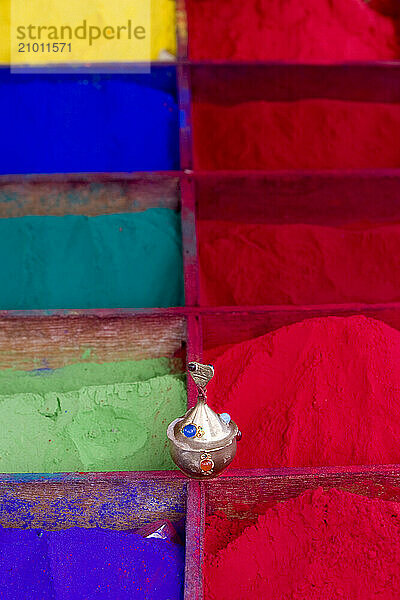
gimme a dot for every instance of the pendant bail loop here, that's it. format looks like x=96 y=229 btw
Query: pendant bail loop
x=201 y=375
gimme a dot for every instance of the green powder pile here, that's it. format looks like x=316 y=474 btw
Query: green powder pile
x=125 y=260
x=89 y=417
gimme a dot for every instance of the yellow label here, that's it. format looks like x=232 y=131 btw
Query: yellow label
x=53 y=32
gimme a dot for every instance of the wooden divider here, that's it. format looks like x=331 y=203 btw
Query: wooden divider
x=239 y=493
x=110 y=500
x=99 y=194
x=195 y=505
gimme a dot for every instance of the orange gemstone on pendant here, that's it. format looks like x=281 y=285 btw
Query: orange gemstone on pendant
x=207 y=465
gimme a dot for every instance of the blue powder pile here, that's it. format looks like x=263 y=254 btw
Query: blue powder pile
x=88 y=563
x=77 y=262
x=89 y=123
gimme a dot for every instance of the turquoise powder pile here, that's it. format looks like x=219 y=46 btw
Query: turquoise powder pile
x=124 y=260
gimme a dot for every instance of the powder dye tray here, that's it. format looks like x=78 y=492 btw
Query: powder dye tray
x=29 y=339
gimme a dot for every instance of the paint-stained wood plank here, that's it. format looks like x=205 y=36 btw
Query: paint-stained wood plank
x=306 y=197
x=181 y=30
x=231 y=83
x=189 y=243
x=232 y=325
x=117 y=502
x=239 y=493
x=86 y=194
x=195 y=524
x=58 y=340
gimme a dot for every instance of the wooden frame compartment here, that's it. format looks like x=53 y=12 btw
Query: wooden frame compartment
x=93 y=195
x=113 y=500
x=230 y=85
x=330 y=199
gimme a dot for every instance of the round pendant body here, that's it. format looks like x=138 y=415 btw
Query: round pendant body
x=202 y=462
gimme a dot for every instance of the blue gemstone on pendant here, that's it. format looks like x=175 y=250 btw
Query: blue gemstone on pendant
x=190 y=431
x=225 y=418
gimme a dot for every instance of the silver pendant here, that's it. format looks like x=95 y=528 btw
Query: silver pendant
x=202 y=443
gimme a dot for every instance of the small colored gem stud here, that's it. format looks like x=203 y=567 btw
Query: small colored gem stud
x=225 y=417
x=206 y=463
x=189 y=431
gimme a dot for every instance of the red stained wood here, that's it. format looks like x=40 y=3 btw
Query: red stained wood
x=239 y=493
x=229 y=82
x=231 y=326
x=195 y=523
x=189 y=243
x=318 y=198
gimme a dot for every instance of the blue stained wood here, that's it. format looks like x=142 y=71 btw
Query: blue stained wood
x=120 y=501
x=88 y=123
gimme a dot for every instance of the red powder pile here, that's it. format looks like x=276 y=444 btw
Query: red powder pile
x=320 y=546
x=307 y=134
x=319 y=31
x=297 y=264
x=324 y=391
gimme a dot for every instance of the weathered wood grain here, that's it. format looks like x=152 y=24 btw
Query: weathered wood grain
x=195 y=524
x=233 y=82
x=231 y=325
x=86 y=194
x=121 y=501
x=195 y=516
x=189 y=243
x=334 y=198
x=32 y=342
x=239 y=493
x=181 y=30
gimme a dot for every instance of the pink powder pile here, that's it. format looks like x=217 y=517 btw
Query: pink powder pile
x=319 y=31
x=297 y=264
x=324 y=391
x=322 y=545
x=306 y=134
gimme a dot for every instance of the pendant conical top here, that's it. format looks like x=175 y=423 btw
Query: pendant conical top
x=202 y=442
